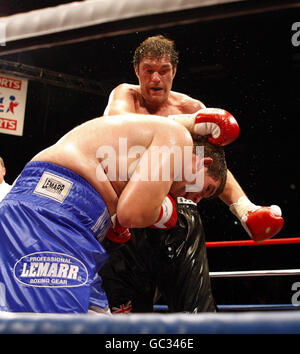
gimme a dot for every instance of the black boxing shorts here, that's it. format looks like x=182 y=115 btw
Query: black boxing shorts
x=174 y=261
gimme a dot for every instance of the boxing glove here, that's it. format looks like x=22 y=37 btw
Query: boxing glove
x=219 y=124
x=116 y=232
x=260 y=223
x=168 y=215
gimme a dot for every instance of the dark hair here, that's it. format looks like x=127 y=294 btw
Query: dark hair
x=218 y=169
x=156 y=46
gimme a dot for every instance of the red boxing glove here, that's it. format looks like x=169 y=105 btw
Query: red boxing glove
x=264 y=223
x=219 y=124
x=168 y=215
x=116 y=232
x=260 y=223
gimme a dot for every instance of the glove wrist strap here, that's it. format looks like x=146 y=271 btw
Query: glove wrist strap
x=242 y=207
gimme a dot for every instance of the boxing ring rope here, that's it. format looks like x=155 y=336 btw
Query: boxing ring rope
x=283 y=322
x=93 y=19
x=255 y=273
x=242 y=307
x=278 y=241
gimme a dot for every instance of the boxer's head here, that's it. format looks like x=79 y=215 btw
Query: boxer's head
x=215 y=172
x=155 y=63
x=157 y=47
x=218 y=168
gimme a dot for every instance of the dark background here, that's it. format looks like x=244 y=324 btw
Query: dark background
x=246 y=65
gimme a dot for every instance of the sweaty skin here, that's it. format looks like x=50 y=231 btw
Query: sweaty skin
x=153 y=95
x=87 y=149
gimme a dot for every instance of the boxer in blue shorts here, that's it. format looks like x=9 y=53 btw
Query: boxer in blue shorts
x=67 y=200
x=51 y=241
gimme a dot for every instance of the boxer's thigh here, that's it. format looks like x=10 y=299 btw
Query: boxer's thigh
x=184 y=277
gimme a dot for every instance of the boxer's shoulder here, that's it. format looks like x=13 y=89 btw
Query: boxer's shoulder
x=185 y=103
x=125 y=88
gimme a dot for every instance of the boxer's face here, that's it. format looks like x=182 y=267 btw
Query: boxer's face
x=155 y=78
x=210 y=185
x=209 y=189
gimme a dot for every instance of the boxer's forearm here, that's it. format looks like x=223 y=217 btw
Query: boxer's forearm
x=232 y=191
x=187 y=120
x=135 y=218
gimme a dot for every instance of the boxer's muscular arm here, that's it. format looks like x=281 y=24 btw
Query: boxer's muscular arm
x=232 y=190
x=140 y=202
x=259 y=222
x=121 y=101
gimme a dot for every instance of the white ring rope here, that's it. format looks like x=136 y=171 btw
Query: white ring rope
x=89 y=13
x=255 y=273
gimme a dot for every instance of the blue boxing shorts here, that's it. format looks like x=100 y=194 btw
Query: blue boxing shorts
x=52 y=223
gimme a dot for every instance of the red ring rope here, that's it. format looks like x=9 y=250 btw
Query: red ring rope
x=278 y=241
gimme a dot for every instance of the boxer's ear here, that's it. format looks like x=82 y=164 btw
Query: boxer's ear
x=174 y=70
x=204 y=162
x=136 y=70
x=207 y=161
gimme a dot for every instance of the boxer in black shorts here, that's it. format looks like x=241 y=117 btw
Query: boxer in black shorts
x=157 y=259
x=174 y=261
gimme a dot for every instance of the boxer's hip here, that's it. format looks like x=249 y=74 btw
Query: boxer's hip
x=49 y=255
x=63 y=192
